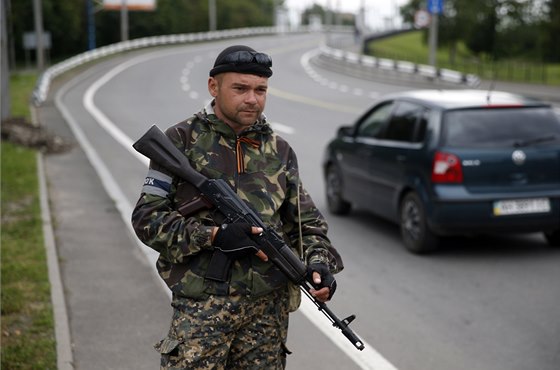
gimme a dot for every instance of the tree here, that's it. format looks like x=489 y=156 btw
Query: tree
x=454 y=25
x=498 y=28
x=185 y=16
x=66 y=20
x=550 y=31
x=63 y=19
x=5 y=109
x=409 y=10
x=245 y=13
x=314 y=10
x=480 y=39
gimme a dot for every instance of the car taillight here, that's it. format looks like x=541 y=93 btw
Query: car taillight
x=447 y=169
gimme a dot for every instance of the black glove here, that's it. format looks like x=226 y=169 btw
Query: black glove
x=235 y=240
x=327 y=279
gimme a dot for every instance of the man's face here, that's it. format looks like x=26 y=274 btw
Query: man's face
x=240 y=98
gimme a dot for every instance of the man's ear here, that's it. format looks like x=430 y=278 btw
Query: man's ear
x=213 y=86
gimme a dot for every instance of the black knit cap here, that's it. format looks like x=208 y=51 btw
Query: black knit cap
x=253 y=68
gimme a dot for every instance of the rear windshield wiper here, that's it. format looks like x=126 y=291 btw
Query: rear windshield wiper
x=534 y=141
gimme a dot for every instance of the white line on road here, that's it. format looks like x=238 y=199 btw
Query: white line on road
x=282 y=128
x=305 y=62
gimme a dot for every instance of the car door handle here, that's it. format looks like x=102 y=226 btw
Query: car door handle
x=401 y=158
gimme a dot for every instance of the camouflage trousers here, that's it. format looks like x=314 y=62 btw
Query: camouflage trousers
x=225 y=332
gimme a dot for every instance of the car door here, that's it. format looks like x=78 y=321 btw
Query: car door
x=397 y=151
x=357 y=173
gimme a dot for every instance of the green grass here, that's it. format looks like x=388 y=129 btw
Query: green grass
x=28 y=340
x=21 y=87
x=416 y=50
x=411 y=47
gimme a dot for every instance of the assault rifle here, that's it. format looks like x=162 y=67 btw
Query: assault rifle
x=155 y=145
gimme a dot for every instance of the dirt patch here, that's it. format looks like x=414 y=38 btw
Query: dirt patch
x=17 y=211
x=18 y=131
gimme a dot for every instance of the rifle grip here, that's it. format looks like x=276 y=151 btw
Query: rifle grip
x=219 y=267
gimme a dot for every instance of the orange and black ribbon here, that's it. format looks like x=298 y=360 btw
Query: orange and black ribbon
x=240 y=163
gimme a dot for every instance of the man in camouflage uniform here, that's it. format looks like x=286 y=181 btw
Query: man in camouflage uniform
x=238 y=321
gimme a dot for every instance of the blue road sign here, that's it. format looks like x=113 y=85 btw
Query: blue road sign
x=435 y=6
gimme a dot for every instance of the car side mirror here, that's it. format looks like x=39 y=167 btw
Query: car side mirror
x=345 y=131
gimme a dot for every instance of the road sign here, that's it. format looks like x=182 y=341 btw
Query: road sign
x=421 y=18
x=147 y=5
x=30 y=40
x=435 y=6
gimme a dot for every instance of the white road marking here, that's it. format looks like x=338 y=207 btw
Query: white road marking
x=311 y=72
x=369 y=358
x=282 y=128
x=184 y=79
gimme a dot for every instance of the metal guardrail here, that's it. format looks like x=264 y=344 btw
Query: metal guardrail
x=382 y=64
x=43 y=83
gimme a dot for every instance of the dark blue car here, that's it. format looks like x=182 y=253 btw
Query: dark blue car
x=450 y=162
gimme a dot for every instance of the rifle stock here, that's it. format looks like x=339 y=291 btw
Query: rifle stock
x=155 y=145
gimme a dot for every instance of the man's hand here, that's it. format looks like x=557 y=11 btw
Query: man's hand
x=323 y=281
x=235 y=240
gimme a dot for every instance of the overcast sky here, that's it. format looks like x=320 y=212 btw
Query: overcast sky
x=380 y=14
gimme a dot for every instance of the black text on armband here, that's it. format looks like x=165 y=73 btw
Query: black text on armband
x=157 y=183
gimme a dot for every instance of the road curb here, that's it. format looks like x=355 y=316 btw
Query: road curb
x=65 y=360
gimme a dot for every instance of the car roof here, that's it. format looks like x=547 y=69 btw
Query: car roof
x=457 y=99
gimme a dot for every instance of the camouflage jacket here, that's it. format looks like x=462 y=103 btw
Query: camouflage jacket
x=262 y=168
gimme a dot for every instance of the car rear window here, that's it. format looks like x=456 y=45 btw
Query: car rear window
x=491 y=127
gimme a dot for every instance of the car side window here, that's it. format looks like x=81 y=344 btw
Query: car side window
x=408 y=123
x=421 y=126
x=373 y=123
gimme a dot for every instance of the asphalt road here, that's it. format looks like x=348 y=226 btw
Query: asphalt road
x=488 y=303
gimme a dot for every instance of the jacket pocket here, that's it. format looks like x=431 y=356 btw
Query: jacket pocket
x=168 y=346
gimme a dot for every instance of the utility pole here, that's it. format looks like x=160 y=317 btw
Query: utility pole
x=38 y=17
x=90 y=24
x=329 y=14
x=338 y=21
x=212 y=15
x=5 y=110
x=124 y=21
x=329 y=21
x=434 y=8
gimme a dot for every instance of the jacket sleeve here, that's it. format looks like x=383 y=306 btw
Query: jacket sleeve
x=165 y=230
x=160 y=226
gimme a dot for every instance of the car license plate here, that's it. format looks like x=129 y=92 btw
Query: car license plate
x=521 y=206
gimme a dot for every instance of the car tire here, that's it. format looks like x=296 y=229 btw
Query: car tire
x=416 y=235
x=336 y=204
x=553 y=238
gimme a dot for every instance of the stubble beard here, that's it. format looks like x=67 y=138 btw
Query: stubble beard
x=244 y=117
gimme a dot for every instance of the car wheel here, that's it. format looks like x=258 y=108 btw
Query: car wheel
x=553 y=238
x=415 y=233
x=336 y=204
